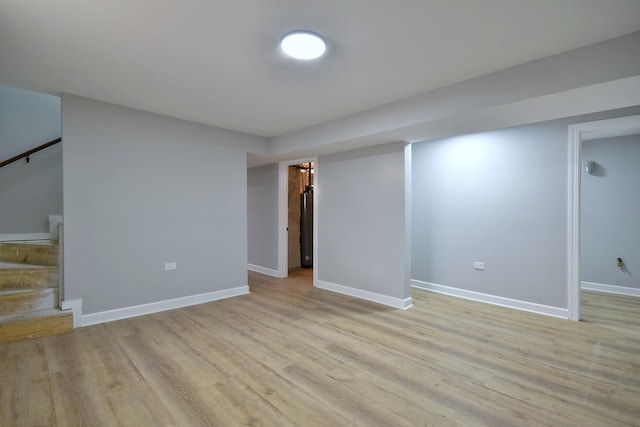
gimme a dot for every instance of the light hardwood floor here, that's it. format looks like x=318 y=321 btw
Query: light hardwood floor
x=613 y=311
x=292 y=355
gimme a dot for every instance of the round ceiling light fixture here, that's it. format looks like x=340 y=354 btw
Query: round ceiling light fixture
x=302 y=44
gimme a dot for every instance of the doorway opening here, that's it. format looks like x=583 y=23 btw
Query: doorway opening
x=579 y=133
x=609 y=232
x=298 y=213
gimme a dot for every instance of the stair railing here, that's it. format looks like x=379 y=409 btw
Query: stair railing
x=28 y=153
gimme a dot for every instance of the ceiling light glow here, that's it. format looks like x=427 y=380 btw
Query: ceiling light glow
x=303 y=45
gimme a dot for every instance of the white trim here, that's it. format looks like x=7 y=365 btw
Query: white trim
x=611 y=289
x=609 y=128
x=263 y=270
x=316 y=206
x=23 y=237
x=492 y=299
x=408 y=211
x=400 y=303
x=155 y=307
x=573 y=226
x=577 y=133
x=75 y=305
x=283 y=190
x=61 y=285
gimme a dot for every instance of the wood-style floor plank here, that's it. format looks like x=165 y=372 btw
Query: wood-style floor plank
x=289 y=354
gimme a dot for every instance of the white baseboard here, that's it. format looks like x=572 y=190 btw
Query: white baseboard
x=75 y=305
x=492 y=299
x=400 y=303
x=611 y=289
x=23 y=237
x=155 y=307
x=264 y=270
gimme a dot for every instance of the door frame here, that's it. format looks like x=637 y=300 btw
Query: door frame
x=577 y=133
x=283 y=215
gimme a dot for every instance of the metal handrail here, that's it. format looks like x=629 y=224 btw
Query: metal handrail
x=30 y=152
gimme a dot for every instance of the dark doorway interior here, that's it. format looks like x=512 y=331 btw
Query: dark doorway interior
x=300 y=216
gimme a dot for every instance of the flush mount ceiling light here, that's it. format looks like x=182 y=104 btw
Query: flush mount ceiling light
x=303 y=44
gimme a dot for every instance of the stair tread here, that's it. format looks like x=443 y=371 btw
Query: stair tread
x=14 y=301
x=31 y=245
x=32 y=242
x=30 y=253
x=25 y=291
x=34 y=314
x=21 y=276
x=35 y=324
x=21 y=266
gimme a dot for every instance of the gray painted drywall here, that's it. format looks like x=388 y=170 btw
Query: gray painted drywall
x=610 y=212
x=361 y=220
x=262 y=216
x=27 y=119
x=498 y=197
x=29 y=192
x=495 y=197
x=141 y=190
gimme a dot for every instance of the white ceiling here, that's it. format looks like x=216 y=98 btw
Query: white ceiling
x=217 y=61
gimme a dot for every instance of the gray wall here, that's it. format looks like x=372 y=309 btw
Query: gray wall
x=29 y=193
x=361 y=220
x=497 y=197
x=27 y=119
x=140 y=190
x=262 y=215
x=610 y=212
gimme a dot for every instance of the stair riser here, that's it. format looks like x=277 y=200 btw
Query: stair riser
x=23 y=278
x=22 y=302
x=36 y=328
x=29 y=254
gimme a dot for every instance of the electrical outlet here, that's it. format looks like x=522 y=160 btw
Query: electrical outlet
x=170 y=265
x=478 y=265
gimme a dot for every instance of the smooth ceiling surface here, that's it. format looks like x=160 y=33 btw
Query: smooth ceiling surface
x=217 y=61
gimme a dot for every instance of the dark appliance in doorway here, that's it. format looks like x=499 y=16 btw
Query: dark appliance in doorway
x=306 y=223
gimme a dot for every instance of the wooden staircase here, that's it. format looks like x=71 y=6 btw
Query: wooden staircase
x=29 y=286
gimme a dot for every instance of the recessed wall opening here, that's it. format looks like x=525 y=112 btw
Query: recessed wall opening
x=298 y=196
x=300 y=200
x=578 y=134
x=609 y=232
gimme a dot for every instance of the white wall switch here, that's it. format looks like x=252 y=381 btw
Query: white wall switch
x=170 y=265
x=478 y=265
